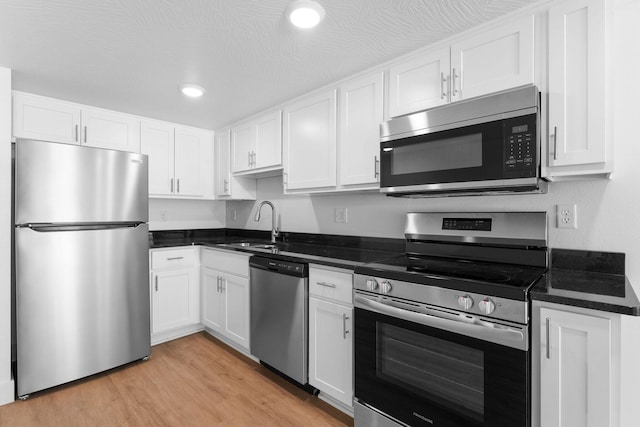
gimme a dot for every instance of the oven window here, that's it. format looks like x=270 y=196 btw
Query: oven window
x=446 y=154
x=451 y=374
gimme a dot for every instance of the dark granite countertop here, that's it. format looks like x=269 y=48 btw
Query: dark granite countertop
x=588 y=279
x=333 y=250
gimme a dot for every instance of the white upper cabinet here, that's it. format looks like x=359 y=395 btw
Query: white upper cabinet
x=228 y=186
x=180 y=160
x=257 y=144
x=493 y=60
x=419 y=83
x=157 y=141
x=309 y=143
x=487 y=61
x=104 y=129
x=47 y=119
x=578 y=142
x=361 y=112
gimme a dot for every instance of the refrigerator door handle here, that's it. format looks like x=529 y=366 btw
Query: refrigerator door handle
x=49 y=227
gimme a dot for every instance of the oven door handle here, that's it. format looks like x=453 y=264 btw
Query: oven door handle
x=475 y=328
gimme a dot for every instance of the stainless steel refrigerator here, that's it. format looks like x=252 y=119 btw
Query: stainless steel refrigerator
x=81 y=262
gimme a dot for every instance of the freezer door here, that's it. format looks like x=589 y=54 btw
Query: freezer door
x=82 y=303
x=61 y=183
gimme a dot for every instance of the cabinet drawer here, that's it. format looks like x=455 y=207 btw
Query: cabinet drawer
x=332 y=284
x=236 y=263
x=173 y=258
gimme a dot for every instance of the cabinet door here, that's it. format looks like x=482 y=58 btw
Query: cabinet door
x=223 y=163
x=236 y=295
x=174 y=302
x=191 y=159
x=494 y=60
x=104 y=129
x=45 y=119
x=575 y=370
x=242 y=141
x=268 y=145
x=577 y=79
x=331 y=349
x=309 y=142
x=157 y=142
x=213 y=309
x=360 y=116
x=419 y=83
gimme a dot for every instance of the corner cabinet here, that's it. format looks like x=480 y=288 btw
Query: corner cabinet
x=225 y=295
x=583 y=367
x=180 y=160
x=361 y=112
x=579 y=142
x=48 y=119
x=309 y=143
x=331 y=333
x=462 y=71
x=175 y=293
x=257 y=144
x=228 y=186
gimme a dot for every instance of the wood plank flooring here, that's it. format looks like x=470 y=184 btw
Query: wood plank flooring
x=192 y=381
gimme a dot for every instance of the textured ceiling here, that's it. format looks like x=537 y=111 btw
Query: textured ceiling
x=131 y=55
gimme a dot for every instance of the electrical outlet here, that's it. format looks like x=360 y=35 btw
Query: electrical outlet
x=234 y=215
x=163 y=215
x=567 y=216
x=340 y=215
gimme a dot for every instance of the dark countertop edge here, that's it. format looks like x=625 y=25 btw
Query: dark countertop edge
x=630 y=305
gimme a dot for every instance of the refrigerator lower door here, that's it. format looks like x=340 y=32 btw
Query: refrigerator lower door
x=82 y=303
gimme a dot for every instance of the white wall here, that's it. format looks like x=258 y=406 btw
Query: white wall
x=169 y=214
x=6 y=380
x=608 y=211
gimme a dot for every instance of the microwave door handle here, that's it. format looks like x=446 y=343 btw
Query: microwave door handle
x=481 y=330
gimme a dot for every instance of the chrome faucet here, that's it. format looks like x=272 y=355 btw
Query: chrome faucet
x=274 y=228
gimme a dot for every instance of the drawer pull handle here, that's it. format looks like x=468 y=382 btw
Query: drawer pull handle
x=344 y=326
x=326 y=284
x=175 y=258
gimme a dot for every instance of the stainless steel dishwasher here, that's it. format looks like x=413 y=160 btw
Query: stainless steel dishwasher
x=279 y=336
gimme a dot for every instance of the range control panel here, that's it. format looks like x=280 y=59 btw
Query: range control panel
x=520 y=147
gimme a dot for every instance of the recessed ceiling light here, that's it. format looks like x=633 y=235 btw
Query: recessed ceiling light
x=193 y=91
x=305 y=13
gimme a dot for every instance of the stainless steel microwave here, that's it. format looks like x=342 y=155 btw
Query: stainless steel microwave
x=485 y=145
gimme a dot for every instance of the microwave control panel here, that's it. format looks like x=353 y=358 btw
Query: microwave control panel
x=520 y=147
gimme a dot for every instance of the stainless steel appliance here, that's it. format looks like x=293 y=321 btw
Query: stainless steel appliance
x=81 y=262
x=488 y=144
x=279 y=304
x=442 y=333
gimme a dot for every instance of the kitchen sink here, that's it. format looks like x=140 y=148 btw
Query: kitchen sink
x=252 y=245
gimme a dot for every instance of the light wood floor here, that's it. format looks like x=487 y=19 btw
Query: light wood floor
x=192 y=381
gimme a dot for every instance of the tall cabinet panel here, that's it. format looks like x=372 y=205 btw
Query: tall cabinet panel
x=578 y=114
x=309 y=142
x=361 y=112
x=158 y=142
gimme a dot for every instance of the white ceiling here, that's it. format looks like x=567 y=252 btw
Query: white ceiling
x=131 y=55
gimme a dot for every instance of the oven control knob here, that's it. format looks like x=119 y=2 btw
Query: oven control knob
x=385 y=287
x=372 y=284
x=487 y=306
x=465 y=302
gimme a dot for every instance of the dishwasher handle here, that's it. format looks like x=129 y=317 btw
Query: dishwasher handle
x=275 y=265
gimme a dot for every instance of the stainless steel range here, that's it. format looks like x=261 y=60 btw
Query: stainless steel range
x=442 y=333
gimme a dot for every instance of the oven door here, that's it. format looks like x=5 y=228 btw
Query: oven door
x=492 y=155
x=428 y=370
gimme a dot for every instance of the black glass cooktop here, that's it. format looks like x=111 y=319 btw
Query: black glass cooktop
x=488 y=274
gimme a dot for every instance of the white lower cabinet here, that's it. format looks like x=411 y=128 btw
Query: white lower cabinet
x=581 y=371
x=175 y=293
x=225 y=294
x=331 y=333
